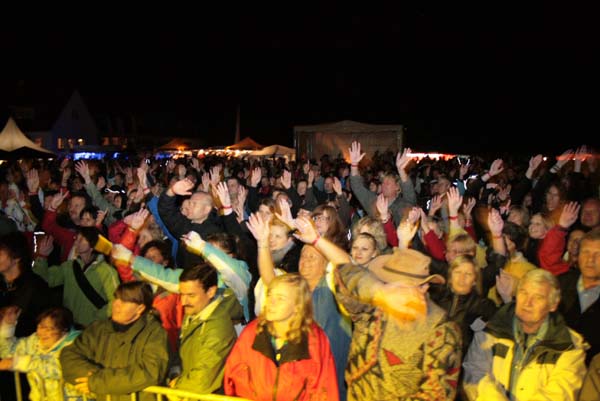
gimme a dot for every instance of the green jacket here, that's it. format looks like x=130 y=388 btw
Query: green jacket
x=205 y=344
x=101 y=276
x=120 y=362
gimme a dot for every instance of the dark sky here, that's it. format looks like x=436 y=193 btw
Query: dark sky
x=467 y=80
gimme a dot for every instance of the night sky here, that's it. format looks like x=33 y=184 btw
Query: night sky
x=460 y=80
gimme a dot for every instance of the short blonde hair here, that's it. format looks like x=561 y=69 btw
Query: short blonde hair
x=375 y=228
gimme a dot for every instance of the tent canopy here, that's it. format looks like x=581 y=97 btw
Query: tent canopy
x=275 y=150
x=245 y=144
x=180 y=144
x=14 y=144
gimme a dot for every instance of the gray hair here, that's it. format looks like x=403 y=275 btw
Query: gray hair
x=541 y=276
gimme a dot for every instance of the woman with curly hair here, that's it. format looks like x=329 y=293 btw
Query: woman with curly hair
x=283 y=352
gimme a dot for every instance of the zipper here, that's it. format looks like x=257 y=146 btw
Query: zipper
x=453 y=306
x=275 y=386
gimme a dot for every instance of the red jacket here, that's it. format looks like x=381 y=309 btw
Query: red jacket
x=65 y=237
x=306 y=371
x=551 y=250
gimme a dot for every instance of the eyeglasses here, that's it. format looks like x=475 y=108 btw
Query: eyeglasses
x=321 y=217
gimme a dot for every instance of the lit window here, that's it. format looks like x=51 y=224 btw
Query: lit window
x=61 y=143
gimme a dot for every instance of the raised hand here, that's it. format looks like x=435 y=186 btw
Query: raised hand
x=337 y=186
x=454 y=201
x=468 y=206
x=83 y=169
x=307 y=232
x=33 y=181
x=563 y=159
x=223 y=194
x=205 y=182
x=255 y=177
x=215 y=175
x=136 y=220
x=286 y=213
x=382 y=206
x=402 y=160
x=355 y=155
x=305 y=168
x=259 y=228
x=64 y=163
x=286 y=179
x=495 y=222
x=436 y=204
x=45 y=246
x=193 y=240
x=407 y=229
x=182 y=187
x=569 y=214
x=58 y=199
x=238 y=206
x=496 y=168
x=534 y=163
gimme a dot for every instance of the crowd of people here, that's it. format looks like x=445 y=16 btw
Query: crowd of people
x=374 y=277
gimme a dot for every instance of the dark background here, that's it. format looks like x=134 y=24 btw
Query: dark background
x=463 y=79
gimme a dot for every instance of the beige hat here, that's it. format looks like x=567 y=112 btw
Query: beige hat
x=406 y=265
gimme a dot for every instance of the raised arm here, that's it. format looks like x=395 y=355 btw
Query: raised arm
x=260 y=230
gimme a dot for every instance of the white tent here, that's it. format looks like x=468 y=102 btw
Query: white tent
x=274 y=151
x=14 y=143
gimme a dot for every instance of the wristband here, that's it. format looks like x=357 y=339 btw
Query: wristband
x=452 y=217
x=314 y=243
x=227 y=207
x=496 y=236
x=354 y=165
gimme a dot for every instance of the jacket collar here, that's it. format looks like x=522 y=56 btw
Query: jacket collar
x=557 y=337
x=289 y=352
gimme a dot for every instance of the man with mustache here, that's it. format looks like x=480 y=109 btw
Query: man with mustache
x=207 y=333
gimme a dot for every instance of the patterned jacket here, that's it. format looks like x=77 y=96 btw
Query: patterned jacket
x=389 y=361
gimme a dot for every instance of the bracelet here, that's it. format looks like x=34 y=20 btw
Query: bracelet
x=354 y=165
x=496 y=236
x=227 y=207
x=314 y=243
x=452 y=217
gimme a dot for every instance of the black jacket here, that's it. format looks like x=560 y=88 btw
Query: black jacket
x=464 y=309
x=585 y=323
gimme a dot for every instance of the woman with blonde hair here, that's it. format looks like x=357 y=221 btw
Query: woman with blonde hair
x=283 y=353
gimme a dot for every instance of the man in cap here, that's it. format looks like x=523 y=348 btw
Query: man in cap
x=403 y=346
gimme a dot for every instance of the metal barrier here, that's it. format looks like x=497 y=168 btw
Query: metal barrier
x=161 y=393
x=187 y=395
